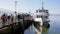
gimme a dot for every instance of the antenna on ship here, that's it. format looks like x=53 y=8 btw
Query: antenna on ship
x=42 y=5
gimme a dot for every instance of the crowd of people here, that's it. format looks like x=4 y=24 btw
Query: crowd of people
x=10 y=18
x=7 y=18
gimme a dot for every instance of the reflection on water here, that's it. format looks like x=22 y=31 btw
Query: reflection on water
x=54 y=27
x=30 y=30
x=41 y=30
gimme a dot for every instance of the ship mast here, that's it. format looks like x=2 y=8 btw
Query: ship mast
x=42 y=5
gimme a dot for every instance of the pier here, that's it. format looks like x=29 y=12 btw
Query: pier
x=17 y=26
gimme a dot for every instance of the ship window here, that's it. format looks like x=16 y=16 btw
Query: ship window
x=46 y=17
x=40 y=10
x=36 y=11
x=46 y=12
x=38 y=16
x=41 y=16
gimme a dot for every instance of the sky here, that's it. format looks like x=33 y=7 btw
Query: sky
x=31 y=5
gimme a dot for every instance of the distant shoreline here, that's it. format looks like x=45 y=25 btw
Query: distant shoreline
x=54 y=14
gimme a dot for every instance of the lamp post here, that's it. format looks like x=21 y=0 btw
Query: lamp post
x=15 y=10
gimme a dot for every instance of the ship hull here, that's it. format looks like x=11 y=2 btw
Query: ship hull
x=42 y=21
x=38 y=28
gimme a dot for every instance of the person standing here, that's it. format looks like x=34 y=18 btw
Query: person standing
x=8 y=19
x=12 y=18
x=3 y=19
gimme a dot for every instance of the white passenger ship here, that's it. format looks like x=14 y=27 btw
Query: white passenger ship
x=42 y=15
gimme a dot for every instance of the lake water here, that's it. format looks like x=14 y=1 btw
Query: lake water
x=54 y=26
